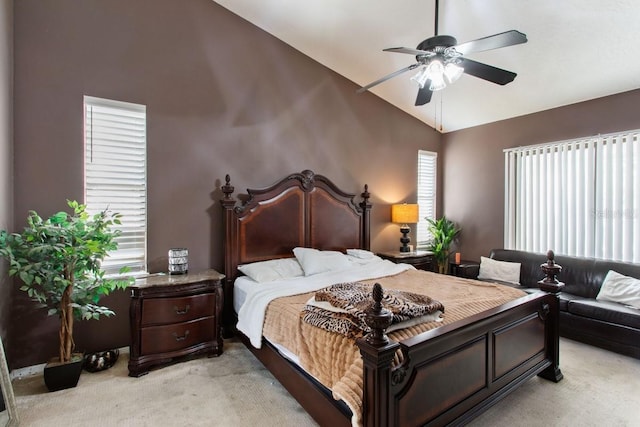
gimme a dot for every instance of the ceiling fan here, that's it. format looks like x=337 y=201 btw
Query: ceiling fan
x=441 y=59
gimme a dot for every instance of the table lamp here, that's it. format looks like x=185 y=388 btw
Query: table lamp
x=404 y=214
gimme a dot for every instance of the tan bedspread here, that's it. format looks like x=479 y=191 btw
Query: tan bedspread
x=335 y=360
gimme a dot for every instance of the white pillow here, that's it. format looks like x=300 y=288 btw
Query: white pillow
x=360 y=253
x=491 y=269
x=619 y=288
x=314 y=261
x=275 y=269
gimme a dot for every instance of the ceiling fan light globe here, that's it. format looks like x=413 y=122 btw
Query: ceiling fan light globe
x=453 y=72
x=437 y=85
x=421 y=77
x=435 y=71
x=435 y=68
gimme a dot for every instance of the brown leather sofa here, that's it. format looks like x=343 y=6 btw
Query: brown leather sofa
x=609 y=325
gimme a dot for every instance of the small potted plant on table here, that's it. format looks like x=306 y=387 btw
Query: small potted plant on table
x=58 y=262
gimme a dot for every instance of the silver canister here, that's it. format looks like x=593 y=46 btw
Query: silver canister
x=178 y=261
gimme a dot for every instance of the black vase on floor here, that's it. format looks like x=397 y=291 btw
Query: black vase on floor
x=59 y=376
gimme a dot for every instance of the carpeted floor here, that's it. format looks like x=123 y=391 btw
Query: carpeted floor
x=600 y=388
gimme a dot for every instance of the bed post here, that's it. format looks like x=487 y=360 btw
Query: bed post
x=551 y=284
x=377 y=357
x=366 y=215
x=230 y=257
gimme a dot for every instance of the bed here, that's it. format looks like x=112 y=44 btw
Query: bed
x=443 y=374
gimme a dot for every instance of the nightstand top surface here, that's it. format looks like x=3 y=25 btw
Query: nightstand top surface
x=177 y=279
x=403 y=255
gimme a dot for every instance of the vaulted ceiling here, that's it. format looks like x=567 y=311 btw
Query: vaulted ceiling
x=577 y=49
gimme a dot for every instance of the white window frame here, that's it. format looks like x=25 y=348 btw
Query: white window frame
x=115 y=175
x=426 y=197
x=578 y=197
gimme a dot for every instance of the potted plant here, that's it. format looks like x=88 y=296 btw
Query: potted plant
x=58 y=262
x=443 y=232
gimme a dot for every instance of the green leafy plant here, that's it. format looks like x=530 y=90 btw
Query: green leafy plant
x=58 y=262
x=443 y=232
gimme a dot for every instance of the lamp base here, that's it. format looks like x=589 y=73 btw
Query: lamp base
x=405 y=239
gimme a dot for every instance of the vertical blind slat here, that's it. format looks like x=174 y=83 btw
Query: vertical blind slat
x=578 y=197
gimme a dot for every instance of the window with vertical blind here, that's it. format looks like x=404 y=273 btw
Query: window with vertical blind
x=427 y=167
x=578 y=197
x=116 y=175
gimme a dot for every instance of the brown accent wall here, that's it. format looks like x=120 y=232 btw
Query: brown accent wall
x=473 y=161
x=6 y=154
x=222 y=97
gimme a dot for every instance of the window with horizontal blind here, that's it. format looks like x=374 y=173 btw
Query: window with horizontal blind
x=579 y=197
x=116 y=175
x=427 y=167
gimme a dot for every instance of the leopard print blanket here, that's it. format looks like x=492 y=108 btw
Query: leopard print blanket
x=352 y=301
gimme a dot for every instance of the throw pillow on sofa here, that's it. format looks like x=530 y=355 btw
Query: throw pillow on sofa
x=503 y=271
x=621 y=289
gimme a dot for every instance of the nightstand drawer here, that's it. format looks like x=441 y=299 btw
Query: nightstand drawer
x=163 y=339
x=420 y=264
x=422 y=260
x=160 y=311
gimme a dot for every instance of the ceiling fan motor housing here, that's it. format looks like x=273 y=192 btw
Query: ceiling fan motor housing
x=437 y=44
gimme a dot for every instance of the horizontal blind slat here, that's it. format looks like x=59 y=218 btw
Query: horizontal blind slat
x=115 y=175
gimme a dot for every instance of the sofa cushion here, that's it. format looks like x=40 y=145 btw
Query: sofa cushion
x=565 y=298
x=621 y=289
x=503 y=271
x=530 y=272
x=605 y=311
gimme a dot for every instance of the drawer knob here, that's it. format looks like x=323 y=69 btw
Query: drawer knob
x=181 y=338
x=178 y=311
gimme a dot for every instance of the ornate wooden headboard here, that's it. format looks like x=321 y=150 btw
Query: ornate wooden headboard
x=303 y=209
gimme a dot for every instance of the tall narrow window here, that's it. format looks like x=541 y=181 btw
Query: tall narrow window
x=578 y=197
x=427 y=167
x=115 y=175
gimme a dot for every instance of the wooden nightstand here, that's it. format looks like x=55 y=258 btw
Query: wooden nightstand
x=174 y=316
x=422 y=260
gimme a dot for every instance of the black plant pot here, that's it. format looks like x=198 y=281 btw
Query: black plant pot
x=59 y=376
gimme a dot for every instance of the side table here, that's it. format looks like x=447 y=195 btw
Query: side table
x=466 y=269
x=422 y=260
x=174 y=316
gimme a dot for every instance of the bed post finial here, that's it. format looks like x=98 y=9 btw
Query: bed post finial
x=227 y=188
x=550 y=283
x=378 y=318
x=365 y=194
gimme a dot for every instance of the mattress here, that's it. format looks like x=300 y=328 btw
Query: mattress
x=241 y=288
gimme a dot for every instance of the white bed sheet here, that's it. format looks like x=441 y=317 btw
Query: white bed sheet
x=256 y=298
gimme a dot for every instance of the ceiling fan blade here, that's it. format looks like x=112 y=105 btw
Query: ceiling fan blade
x=424 y=94
x=387 y=77
x=508 y=38
x=410 y=51
x=487 y=72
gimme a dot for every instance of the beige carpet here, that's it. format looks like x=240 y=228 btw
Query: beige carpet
x=600 y=388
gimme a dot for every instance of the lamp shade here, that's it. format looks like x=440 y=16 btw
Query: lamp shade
x=404 y=213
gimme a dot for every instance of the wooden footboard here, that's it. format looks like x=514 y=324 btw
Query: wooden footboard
x=452 y=373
